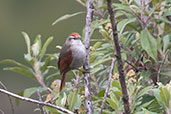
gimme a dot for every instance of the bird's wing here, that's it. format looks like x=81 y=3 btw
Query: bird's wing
x=65 y=58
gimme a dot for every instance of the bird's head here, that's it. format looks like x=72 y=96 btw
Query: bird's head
x=74 y=38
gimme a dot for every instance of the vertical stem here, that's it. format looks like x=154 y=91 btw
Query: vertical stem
x=38 y=74
x=108 y=86
x=119 y=58
x=10 y=100
x=161 y=65
x=89 y=15
x=42 y=109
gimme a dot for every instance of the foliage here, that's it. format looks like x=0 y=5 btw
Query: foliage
x=145 y=40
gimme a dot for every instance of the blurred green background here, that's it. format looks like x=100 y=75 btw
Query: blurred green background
x=33 y=17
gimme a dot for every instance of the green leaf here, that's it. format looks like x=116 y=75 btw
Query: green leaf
x=94 y=70
x=130 y=38
x=101 y=61
x=105 y=34
x=144 y=91
x=58 y=101
x=122 y=7
x=115 y=83
x=164 y=19
x=63 y=100
x=38 y=39
x=149 y=44
x=157 y=96
x=122 y=24
x=27 y=39
x=29 y=59
x=53 y=56
x=67 y=16
x=166 y=42
x=94 y=26
x=146 y=104
x=21 y=71
x=96 y=45
x=44 y=48
x=155 y=105
x=114 y=98
x=78 y=104
x=36 y=47
x=17 y=101
x=165 y=96
x=53 y=75
x=10 y=61
x=145 y=111
x=29 y=91
x=101 y=93
x=45 y=64
x=112 y=103
x=72 y=99
x=52 y=110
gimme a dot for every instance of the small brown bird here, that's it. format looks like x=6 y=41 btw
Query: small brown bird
x=72 y=56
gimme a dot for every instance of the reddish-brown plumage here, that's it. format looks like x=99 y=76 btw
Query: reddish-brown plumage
x=75 y=34
x=63 y=64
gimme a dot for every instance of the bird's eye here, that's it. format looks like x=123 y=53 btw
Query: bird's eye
x=74 y=38
x=71 y=38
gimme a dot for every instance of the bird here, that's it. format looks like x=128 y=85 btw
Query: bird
x=72 y=56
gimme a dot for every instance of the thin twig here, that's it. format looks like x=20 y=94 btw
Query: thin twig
x=10 y=100
x=77 y=80
x=43 y=111
x=89 y=15
x=125 y=97
x=39 y=75
x=108 y=86
x=138 y=17
x=2 y=112
x=165 y=56
x=35 y=101
x=143 y=20
x=150 y=16
x=97 y=12
x=135 y=68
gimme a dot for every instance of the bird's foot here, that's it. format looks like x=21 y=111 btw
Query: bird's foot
x=84 y=71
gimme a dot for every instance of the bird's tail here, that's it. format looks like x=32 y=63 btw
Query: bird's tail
x=62 y=81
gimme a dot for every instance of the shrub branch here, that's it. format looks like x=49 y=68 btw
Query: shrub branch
x=89 y=16
x=108 y=86
x=118 y=57
x=35 y=101
x=10 y=100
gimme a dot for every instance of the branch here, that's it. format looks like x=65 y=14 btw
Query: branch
x=10 y=100
x=143 y=20
x=158 y=73
x=89 y=16
x=108 y=86
x=134 y=67
x=35 y=101
x=97 y=12
x=118 y=57
x=39 y=75
x=2 y=112
x=40 y=99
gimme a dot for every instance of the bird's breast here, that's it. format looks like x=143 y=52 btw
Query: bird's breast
x=78 y=56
